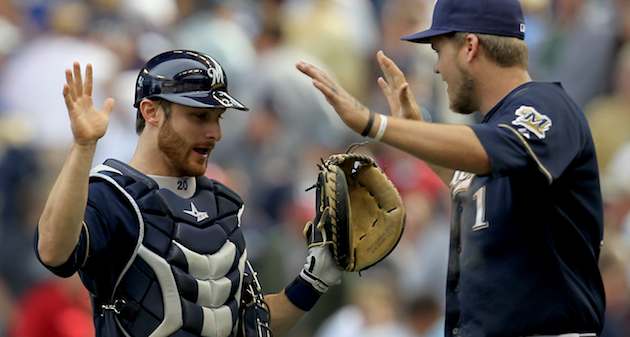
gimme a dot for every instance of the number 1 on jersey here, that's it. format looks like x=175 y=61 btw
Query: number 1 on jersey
x=480 y=218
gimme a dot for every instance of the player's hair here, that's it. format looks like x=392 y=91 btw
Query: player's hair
x=141 y=123
x=504 y=51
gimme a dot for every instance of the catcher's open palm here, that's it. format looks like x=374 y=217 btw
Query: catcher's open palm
x=88 y=124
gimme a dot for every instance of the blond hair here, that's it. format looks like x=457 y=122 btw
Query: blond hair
x=504 y=51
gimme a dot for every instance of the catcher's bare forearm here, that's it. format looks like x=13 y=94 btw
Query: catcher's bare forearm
x=284 y=315
x=450 y=146
x=61 y=220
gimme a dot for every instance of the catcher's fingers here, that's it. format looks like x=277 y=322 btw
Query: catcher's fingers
x=410 y=108
x=67 y=97
x=88 y=80
x=108 y=106
x=78 y=82
x=70 y=83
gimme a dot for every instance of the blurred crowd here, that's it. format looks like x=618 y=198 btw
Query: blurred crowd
x=268 y=154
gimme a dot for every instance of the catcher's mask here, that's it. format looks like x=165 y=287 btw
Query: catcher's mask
x=185 y=77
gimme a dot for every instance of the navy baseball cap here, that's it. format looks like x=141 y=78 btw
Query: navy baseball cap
x=493 y=17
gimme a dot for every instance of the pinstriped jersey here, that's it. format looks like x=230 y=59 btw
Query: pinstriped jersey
x=525 y=238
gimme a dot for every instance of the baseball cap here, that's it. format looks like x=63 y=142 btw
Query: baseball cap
x=494 y=17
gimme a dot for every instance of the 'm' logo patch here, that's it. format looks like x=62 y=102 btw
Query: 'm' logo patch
x=216 y=75
x=532 y=120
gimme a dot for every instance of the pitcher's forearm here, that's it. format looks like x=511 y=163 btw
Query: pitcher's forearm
x=449 y=146
x=61 y=220
x=445 y=174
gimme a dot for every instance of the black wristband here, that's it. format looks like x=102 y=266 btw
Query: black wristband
x=368 y=127
x=302 y=294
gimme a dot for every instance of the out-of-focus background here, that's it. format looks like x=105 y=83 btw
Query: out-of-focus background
x=269 y=154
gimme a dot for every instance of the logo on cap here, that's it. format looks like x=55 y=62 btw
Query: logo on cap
x=216 y=74
x=522 y=28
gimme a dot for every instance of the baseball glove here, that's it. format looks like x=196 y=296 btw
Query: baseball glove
x=359 y=212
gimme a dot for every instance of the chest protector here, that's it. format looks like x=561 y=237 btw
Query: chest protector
x=185 y=275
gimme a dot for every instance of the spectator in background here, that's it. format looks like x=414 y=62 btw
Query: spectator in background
x=375 y=310
x=6 y=306
x=417 y=63
x=614 y=265
x=19 y=178
x=577 y=49
x=55 y=308
x=425 y=242
x=425 y=316
x=616 y=188
x=33 y=67
x=609 y=115
x=340 y=33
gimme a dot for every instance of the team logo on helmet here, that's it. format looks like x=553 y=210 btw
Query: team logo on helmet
x=215 y=72
x=532 y=120
x=224 y=99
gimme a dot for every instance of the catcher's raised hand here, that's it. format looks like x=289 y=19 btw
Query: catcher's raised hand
x=351 y=111
x=88 y=124
x=401 y=101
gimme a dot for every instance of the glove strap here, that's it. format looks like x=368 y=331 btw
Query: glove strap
x=302 y=294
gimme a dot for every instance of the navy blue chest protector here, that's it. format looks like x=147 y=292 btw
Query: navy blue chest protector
x=185 y=275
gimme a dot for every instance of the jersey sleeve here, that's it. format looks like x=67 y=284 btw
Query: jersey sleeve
x=94 y=237
x=523 y=137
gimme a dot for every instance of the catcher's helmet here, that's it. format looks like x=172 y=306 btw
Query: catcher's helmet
x=185 y=77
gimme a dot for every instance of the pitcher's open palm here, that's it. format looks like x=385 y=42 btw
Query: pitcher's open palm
x=88 y=124
x=401 y=101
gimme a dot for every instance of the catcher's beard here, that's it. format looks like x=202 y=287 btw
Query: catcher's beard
x=465 y=99
x=179 y=152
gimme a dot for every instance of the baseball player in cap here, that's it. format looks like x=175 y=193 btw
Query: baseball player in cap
x=157 y=244
x=526 y=226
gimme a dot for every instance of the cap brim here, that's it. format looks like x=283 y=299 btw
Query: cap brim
x=425 y=35
x=205 y=99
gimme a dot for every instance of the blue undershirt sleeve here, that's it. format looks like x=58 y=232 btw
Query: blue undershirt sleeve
x=94 y=237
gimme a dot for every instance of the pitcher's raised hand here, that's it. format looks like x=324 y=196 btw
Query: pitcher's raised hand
x=394 y=85
x=88 y=124
x=349 y=109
